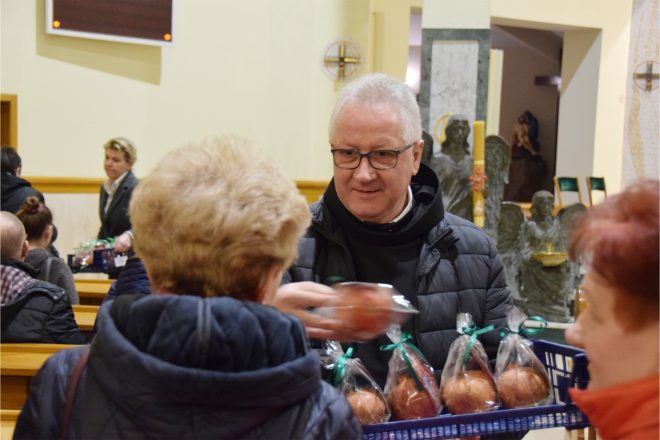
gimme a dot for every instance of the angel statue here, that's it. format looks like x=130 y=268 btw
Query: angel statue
x=453 y=166
x=534 y=253
x=498 y=158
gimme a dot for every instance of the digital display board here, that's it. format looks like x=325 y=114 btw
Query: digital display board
x=131 y=21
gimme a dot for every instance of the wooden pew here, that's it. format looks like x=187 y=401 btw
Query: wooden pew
x=8 y=418
x=18 y=365
x=91 y=291
x=85 y=316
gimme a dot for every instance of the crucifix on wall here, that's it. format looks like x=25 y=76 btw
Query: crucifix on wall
x=648 y=78
x=341 y=60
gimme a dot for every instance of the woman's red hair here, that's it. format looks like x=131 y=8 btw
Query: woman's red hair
x=618 y=239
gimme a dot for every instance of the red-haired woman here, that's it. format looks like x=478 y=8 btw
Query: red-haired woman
x=617 y=242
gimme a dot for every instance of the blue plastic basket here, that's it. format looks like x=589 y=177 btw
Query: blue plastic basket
x=566 y=367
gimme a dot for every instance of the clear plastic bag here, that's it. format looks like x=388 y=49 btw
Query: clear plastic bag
x=467 y=384
x=520 y=376
x=367 y=309
x=411 y=389
x=351 y=377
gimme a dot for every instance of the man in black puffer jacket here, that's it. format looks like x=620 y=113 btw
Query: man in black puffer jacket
x=382 y=220
x=15 y=190
x=32 y=310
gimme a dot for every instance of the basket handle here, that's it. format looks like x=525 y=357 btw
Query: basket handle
x=580 y=374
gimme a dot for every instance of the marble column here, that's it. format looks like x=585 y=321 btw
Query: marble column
x=454 y=77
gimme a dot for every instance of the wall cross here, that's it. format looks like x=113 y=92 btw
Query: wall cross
x=648 y=77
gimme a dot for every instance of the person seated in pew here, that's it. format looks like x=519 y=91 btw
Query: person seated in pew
x=215 y=226
x=618 y=241
x=16 y=190
x=38 y=222
x=32 y=310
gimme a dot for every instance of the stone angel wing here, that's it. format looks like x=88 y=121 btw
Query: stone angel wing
x=509 y=229
x=498 y=158
x=565 y=221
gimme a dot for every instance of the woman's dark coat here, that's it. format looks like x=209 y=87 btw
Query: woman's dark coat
x=179 y=367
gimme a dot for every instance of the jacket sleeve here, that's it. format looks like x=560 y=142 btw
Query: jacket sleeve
x=61 y=325
x=43 y=410
x=332 y=417
x=133 y=279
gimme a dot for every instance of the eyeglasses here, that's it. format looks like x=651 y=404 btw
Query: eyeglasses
x=349 y=159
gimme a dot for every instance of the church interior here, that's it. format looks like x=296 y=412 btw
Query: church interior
x=64 y=96
x=586 y=72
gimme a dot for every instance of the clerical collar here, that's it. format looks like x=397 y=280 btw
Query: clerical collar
x=408 y=207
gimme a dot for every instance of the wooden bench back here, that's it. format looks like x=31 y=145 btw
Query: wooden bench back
x=18 y=365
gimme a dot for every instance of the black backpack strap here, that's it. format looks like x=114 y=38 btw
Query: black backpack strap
x=71 y=391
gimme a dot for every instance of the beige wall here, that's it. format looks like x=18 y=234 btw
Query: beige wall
x=251 y=67
x=464 y=14
x=388 y=39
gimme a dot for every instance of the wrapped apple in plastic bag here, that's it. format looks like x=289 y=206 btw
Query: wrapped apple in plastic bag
x=520 y=376
x=351 y=377
x=367 y=309
x=467 y=384
x=411 y=390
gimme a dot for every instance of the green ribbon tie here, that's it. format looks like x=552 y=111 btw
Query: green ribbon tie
x=340 y=366
x=406 y=340
x=522 y=330
x=473 y=332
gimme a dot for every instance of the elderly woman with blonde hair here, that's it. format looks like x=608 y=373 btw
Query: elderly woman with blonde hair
x=215 y=225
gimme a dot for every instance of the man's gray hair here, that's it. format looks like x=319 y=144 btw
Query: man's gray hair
x=12 y=236
x=376 y=89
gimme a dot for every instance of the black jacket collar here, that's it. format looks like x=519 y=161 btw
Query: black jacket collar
x=28 y=269
x=427 y=212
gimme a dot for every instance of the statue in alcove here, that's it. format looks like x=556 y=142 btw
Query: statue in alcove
x=527 y=168
x=534 y=253
x=453 y=166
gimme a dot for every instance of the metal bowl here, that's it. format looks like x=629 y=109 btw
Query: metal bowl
x=550 y=258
